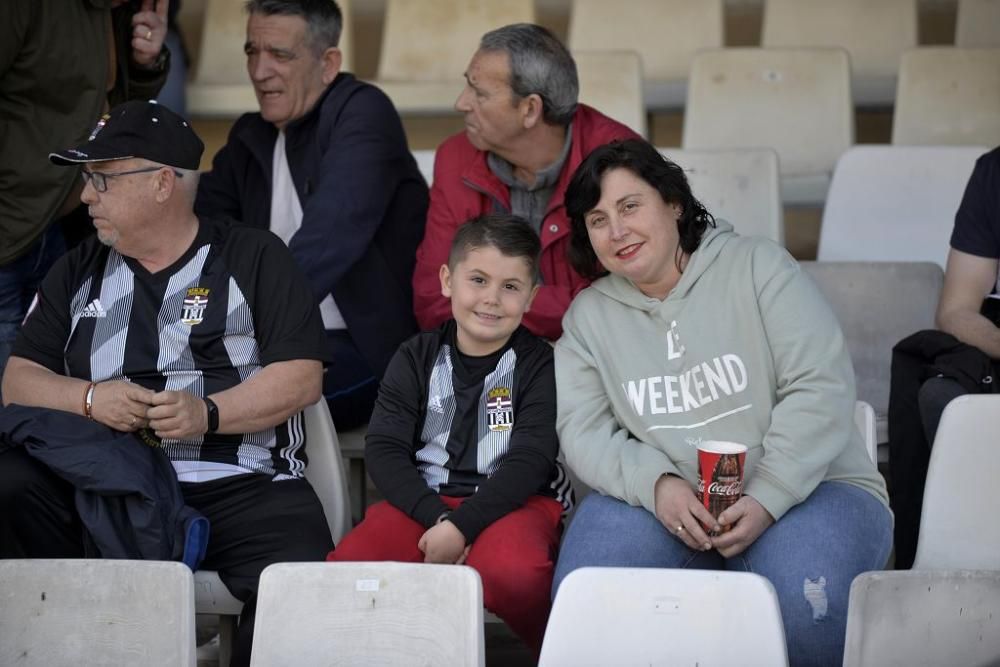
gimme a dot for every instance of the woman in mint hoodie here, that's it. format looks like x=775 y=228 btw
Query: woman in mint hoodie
x=691 y=332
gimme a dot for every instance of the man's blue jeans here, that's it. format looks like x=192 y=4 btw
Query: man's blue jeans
x=810 y=556
x=19 y=281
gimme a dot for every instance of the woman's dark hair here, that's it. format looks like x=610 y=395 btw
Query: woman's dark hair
x=643 y=160
x=509 y=234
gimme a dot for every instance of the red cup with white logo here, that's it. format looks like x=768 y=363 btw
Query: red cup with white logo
x=721 y=464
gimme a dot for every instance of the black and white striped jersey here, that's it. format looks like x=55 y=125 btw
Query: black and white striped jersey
x=232 y=304
x=448 y=424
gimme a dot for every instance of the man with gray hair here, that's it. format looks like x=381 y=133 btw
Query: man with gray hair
x=525 y=134
x=325 y=165
x=198 y=338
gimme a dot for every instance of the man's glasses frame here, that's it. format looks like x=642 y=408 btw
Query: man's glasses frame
x=100 y=178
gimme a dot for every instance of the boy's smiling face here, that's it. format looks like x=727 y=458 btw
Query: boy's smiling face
x=489 y=292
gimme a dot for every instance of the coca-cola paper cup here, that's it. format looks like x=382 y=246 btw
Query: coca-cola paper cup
x=720 y=475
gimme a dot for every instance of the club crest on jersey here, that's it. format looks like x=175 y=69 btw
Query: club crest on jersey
x=194 y=306
x=499 y=409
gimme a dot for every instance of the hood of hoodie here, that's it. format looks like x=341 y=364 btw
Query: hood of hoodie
x=712 y=243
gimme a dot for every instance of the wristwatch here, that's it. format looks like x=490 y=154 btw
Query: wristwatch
x=213 y=415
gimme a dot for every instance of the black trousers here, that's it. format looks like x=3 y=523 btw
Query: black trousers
x=254 y=522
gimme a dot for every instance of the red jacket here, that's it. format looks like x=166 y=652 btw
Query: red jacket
x=464 y=187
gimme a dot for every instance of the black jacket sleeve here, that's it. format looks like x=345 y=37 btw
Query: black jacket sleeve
x=393 y=434
x=534 y=445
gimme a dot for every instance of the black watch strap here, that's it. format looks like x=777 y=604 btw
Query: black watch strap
x=213 y=415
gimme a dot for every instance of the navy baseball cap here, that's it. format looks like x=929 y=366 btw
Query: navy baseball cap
x=138 y=129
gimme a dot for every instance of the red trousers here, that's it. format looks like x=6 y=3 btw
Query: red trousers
x=514 y=556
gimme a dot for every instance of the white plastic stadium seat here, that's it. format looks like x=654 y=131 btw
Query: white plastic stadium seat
x=874 y=34
x=425 y=162
x=795 y=101
x=923 y=619
x=62 y=613
x=647 y=616
x=895 y=203
x=220 y=85
x=369 y=613
x=326 y=474
x=864 y=420
x=427 y=44
x=977 y=23
x=611 y=82
x=956 y=528
x=740 y=185
x=665 y=33
x=948 y=96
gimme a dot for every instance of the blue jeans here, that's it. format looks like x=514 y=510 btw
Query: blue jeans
x=810 y=556
x=19 y=282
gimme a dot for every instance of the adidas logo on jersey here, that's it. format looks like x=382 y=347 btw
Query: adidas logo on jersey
x=94 y=309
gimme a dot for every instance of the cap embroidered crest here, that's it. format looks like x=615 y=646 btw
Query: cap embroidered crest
x=100 y=126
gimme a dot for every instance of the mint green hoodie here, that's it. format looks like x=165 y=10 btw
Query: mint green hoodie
x=743 y=349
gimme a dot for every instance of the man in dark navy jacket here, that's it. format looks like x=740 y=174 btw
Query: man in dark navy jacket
x=325 y=166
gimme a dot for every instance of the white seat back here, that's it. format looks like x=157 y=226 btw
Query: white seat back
x=740 y=185
x=977 y=23
x=611 y=82
x=948 y=96
x=643 y=616
x=370 y=614
x=864 y=420
x=220 y=85
x=427 y=44
x=326 y=472
x=873 y=33
x=425 y=162
x=795 y=101
x=955 y=531
x=877 y=305
x=895 y=203
x=643 y=26
x=923 y=619
x=57 y=613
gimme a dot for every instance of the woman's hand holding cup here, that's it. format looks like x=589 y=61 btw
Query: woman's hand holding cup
x=681 y=512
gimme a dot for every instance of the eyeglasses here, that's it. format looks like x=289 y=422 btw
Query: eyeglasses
x=100 y=178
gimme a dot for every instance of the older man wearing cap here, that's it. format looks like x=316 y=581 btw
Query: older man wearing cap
x=200 y=338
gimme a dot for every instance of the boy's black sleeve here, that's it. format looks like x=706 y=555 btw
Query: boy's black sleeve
x=534 y=445
x=392 y=438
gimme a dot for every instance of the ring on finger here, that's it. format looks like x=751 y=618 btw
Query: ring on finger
x=680 y=529
x=132 y=423
x=149 y=35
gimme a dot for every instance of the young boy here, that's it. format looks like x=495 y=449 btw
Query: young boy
x=462 y=442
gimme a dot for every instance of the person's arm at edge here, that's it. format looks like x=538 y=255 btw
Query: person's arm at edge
x=602 y=454
x=813 y=419
x=968 y=279
x=26 y=382
x=275 y=393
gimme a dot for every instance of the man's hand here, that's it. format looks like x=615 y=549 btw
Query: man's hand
x=443 y=543
x=149 y=29
x=178 y=415
x=749 y=520
x=120 y=405
x=680 y=511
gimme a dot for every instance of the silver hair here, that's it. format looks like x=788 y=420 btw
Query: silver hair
x=324 y=20
x=540 y=65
